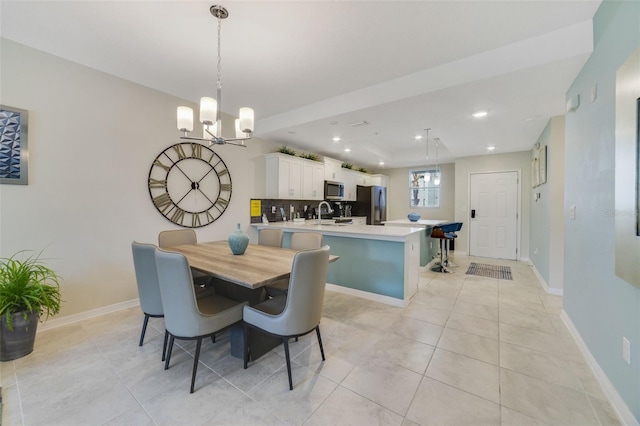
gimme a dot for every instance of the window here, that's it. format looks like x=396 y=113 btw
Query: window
x=424 y=188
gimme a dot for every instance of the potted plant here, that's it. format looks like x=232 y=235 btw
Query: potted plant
x=28 y=289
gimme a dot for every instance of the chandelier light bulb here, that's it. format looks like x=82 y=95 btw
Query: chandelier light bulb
x=185 y=119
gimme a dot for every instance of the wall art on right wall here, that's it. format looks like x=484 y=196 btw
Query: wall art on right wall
x=627 y=192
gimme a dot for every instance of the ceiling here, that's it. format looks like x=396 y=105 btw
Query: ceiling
x=311 y=69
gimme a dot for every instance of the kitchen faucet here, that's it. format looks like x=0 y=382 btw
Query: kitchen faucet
x=329 y=210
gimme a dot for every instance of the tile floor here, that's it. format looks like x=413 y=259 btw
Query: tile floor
x=467 y=351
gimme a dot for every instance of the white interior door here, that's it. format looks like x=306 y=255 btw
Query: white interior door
x=493 y=208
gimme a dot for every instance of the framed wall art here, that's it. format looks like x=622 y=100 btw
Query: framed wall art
x=627 y=170
x=14 y=154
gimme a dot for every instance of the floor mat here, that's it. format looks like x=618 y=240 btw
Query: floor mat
x=490 y=271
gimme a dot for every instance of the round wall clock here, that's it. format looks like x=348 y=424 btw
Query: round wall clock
x=190 y=185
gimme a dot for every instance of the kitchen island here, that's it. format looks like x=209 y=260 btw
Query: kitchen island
x=428 y=245
x=381 y=263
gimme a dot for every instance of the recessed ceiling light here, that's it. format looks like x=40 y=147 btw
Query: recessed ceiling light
x=381 y=163
x=480 y=114
x=491 y=148
x=347 y=150
x=418 y=137
x=336 y=139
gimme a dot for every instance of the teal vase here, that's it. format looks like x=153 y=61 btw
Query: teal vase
x=238 y=241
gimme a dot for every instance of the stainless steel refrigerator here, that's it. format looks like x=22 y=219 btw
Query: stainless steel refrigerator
x=371 y=201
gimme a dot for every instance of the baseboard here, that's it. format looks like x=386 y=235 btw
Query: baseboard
x=370 y=296
x=618 y=404
x=543 y=283
x=57 y=322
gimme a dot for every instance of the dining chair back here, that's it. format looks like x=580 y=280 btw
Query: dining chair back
x=300 y=311
x=176 y=237
x=306 y=240
x=144 y=263
x=270 y=237
x=188 y=317
x=299 y=241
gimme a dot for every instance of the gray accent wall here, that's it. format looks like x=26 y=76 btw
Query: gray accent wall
x=602 y=307
x=546 y=227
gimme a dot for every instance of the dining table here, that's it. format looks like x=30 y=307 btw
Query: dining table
x=242 y=277
x=259 y=266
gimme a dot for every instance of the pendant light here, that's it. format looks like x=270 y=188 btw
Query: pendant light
x=436 y=177
x=210 y=108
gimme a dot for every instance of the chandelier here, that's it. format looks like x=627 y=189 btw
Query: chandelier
x=210 y=108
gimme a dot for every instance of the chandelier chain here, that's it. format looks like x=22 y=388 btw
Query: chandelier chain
x=219 y=54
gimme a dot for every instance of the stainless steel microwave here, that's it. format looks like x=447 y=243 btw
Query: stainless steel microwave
x=333 y=190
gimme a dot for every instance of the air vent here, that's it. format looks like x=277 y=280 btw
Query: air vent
x=359 y=123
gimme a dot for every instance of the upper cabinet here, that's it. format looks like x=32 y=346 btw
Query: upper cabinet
x=332 y=170
x=292 y=178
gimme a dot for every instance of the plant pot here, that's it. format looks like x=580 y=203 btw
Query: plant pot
x=18 y=342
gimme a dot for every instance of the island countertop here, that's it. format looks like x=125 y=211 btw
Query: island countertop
x=372 y=232
x=423 y=223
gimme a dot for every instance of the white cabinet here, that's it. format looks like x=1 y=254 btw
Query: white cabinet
x=350 y=182
x=312 y=181
x=292 y=178
x=379 y=180
x=332 y=170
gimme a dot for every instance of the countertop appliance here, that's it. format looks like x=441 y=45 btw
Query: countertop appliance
x=372 y=203
x=333 y=190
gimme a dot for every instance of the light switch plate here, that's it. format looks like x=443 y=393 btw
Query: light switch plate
x=626 y=350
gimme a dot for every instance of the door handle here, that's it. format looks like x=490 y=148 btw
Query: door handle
x=473 y=214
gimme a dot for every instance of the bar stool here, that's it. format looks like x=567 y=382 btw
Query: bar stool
x=443 y=232
x=452 y=234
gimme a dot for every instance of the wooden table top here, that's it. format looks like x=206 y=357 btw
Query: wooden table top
x=257 y=267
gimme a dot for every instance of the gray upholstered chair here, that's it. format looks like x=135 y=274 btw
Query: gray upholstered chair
x=299 y=241
x=299 y=312
x=185 y=316
x=270 y=237
x=176 y=237
x=144 y=263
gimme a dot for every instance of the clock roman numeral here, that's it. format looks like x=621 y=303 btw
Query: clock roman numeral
x=159 y=164
x=178 y=215
x=195 y=220
x=180 y=151
x=157 y=183
x=222 y=172
x=163 y=202
x=196 y=150
x=225 y=187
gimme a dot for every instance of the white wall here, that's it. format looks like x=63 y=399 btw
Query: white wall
x=399 y=194
x=92 y=138
x=492 y=163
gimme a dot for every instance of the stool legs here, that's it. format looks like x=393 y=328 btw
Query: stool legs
x=444 y=253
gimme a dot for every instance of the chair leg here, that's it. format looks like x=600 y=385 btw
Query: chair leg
x=320 y=341
x=246 y=345
x=164 y=346
x=195 y=363
x=213 y=338
x=144 y=329
x=285 y=341
x=166 y=362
